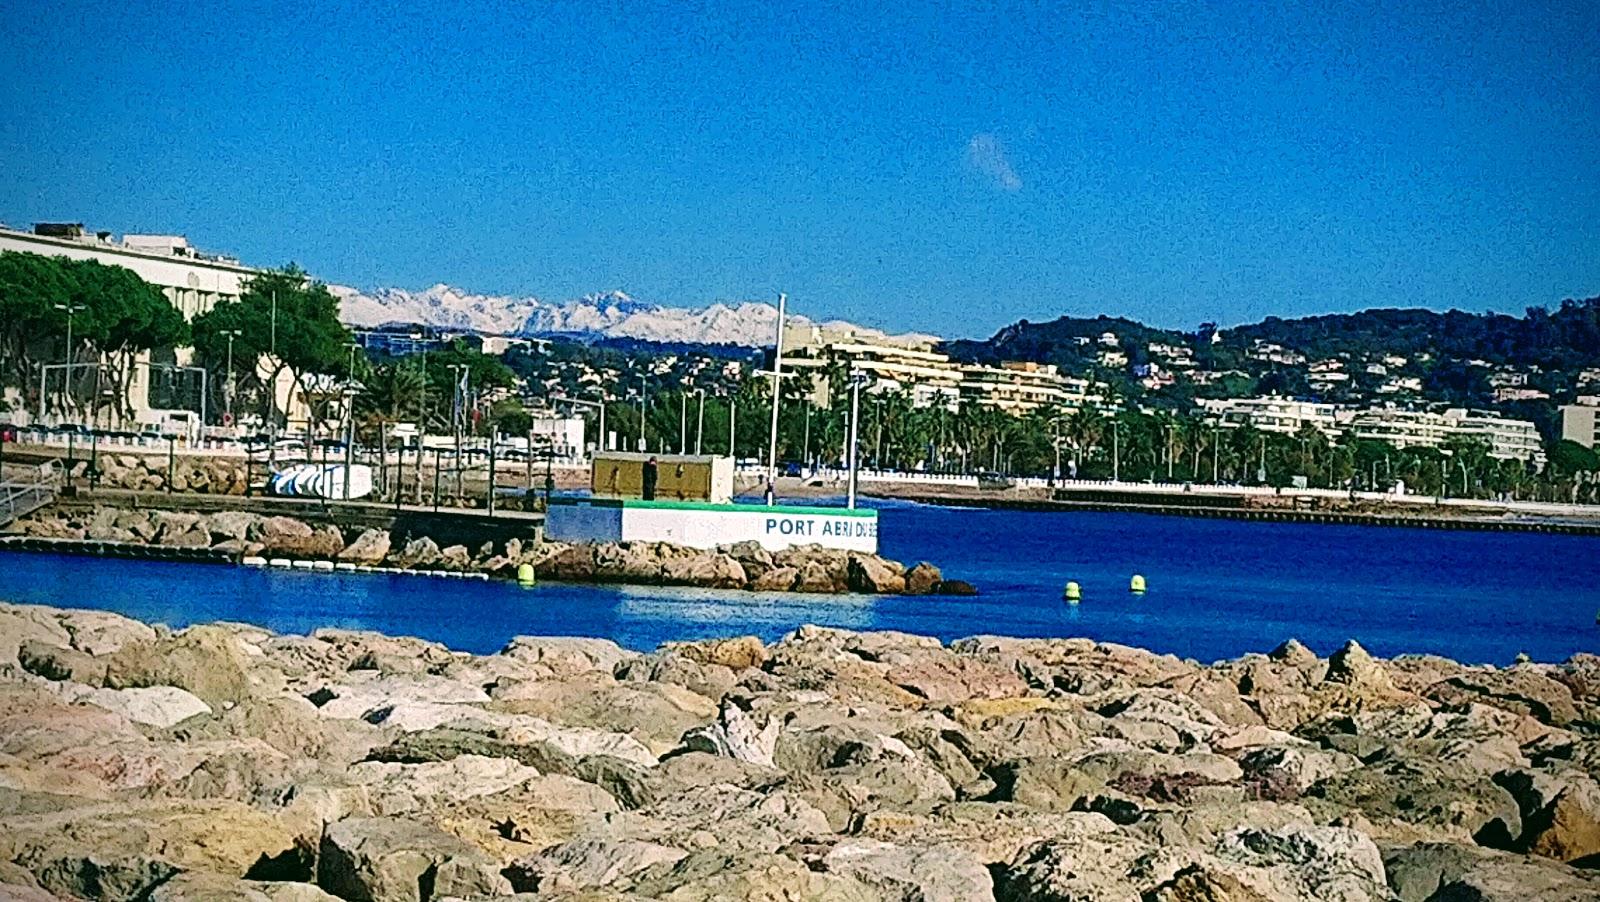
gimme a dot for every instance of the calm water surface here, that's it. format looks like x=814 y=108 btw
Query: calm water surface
x=1218 y=588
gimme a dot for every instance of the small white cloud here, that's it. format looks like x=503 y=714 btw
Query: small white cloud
x=987 y=155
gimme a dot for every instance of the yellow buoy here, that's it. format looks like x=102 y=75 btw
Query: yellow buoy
x=1136 y=585
x=1072 y=593
x=525 y=575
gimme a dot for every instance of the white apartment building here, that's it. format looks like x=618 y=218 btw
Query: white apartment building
x=1273 y=414
x=194 y=282
x=929 y=377
x=1505 y=438
x=1579 y=422
x=1019 y=388
x=932 y=379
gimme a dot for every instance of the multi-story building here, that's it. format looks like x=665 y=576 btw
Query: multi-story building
x=399 y=340
x=1401 y=428
x=1269 y=352
x=1504 y=437
x=1019 y=388
x=1507 y=438
x=1519 y=393
x=1273 y=414
x=194 y=282
x=929 y=377
x=932 y=379
x=1579 y=422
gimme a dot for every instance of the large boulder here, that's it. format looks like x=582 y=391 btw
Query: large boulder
x=588 y=861
x=718 y=876
x=419 y=553
x=712 y=571
x=628 y=562
x=1436 y=872
x=125 y=849
x=210 y=661
x=930 y=874
x=923 y=579
x=369 y=548
x=737 y=653
x=155 y=706
x=873 y=575
x=390 y=859
x=571 y=563
x=1560 y=813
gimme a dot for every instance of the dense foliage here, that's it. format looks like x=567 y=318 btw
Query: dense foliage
x=287 y=323
x=114 y=315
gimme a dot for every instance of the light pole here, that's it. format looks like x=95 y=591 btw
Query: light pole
x=643 y=387
x=1116 y=450
x=457 y=415
x=231 y=335
x=683 y=422
x=71 y=310
x=1214 y=440
x=1169 y=452
x=855 y=423
x=700 y=420
x=777 y=384
x=806 y=453
x=733 y=415
x=272 y=390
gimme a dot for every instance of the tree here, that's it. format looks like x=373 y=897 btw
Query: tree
x=286 y=322
x=115 y=316
x=1568 y=458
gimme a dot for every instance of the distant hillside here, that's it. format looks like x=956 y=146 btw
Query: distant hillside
x=1069 y=342
x=1566 y=339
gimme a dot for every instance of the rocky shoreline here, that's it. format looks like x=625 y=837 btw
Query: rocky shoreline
x=227 y=762
x=238 y=534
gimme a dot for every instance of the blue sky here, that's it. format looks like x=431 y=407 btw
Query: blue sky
x=949 y=170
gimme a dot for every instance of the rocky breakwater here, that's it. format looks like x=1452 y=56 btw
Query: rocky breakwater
x=227 y=762
x=805 y=568
x=205 y=475
x=746 y=565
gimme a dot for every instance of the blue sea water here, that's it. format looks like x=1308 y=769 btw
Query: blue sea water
x=1217 y=589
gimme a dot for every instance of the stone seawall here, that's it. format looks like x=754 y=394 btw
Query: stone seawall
x=239 y=534
x=228 y=762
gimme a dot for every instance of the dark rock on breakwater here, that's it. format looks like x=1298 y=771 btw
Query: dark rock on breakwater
x=228 y=762
x=746 y=565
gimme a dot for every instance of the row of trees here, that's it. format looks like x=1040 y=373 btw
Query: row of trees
x=1092 y=444
x=54 y=311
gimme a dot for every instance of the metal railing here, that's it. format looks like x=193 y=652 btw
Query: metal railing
x=34 y=488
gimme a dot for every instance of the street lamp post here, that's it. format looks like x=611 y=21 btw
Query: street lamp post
x=700 y=420
x=777 y=384
x=683 y=423
x=1116 y=450
x=855 y=417
x=71 y=310
x=228 y=397
x=458 y=410
x=644 y=386
x=806 y=453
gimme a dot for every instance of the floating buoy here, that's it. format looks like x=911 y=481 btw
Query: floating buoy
x=1136 y=585
x=525 y=575
x=1072 y=592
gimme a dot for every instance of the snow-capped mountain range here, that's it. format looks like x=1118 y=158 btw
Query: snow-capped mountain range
x=610 y=315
